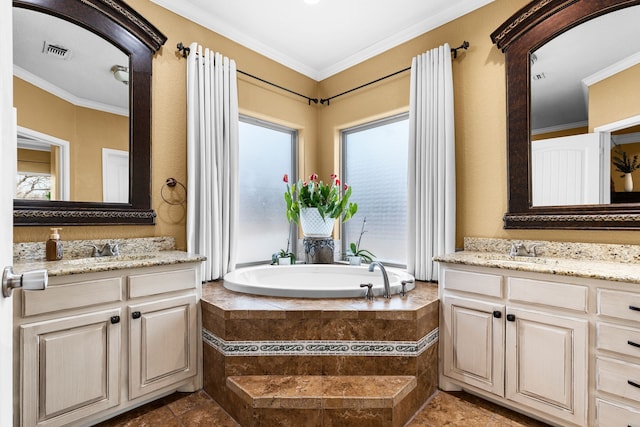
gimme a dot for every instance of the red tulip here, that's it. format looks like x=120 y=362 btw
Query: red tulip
x=304 y=184
x=285 y=178
x=313 y=177
x=333 y=176
x=337 y=182
x=346 y=187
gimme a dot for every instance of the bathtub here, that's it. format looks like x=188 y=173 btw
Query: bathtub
x=313 y=280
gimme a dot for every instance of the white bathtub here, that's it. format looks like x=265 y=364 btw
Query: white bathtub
x=313 y=280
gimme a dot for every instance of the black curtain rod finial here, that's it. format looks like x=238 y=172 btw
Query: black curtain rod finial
x=182 y=48
x=464 y=45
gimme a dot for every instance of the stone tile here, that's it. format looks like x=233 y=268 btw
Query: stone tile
x=369 y=365
x=380 y=417
x=369 y=329
x=267 y=329
x=209 y=413
x=189 y=402
x=290 y=418
x=273 y=365
x=464 y=410
x=285 y=391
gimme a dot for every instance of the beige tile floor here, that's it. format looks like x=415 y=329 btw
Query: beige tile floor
x=198 y=409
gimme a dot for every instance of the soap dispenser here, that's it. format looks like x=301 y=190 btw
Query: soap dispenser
x=54 y=246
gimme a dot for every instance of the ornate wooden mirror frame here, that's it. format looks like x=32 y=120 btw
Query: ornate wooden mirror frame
x=528 y=29
x=117 y=23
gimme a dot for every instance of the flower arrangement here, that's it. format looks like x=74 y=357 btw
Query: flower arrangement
x=624 y=163
x=354 y=248
x=327 y=198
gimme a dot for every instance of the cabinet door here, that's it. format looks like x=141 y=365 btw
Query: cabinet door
x=546 y=363
x=69 y=368
x=162 y=346
x=473 y=340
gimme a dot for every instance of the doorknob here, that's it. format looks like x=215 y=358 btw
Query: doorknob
x=35 y=280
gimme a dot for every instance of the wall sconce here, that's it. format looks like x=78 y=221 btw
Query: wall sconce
x=120 y=73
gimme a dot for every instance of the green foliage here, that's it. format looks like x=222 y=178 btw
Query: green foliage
x=363 y=253
x=330 y=199
x=282 y=254
x=354 y=248
x=624 y=163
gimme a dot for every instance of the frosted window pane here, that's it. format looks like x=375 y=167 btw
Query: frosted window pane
x=376 y=169
x=265 y=156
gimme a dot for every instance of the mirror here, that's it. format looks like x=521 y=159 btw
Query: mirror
x=99 y=125
x=527 y=39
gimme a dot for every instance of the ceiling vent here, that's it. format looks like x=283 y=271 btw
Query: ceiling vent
x=57 y=51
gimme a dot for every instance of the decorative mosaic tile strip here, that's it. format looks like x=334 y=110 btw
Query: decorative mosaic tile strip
x=320 y=348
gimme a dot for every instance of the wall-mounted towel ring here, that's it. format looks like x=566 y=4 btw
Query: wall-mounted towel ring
x=171 y=183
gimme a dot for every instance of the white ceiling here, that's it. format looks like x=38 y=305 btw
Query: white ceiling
x=322 y=39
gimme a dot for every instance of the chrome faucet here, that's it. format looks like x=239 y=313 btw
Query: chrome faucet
x=385 y=278
x=107 y=250
x=519 y=249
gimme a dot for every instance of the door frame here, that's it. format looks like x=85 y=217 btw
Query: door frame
x=8 y=166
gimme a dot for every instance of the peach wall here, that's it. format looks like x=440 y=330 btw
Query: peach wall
x=611 y=100
x=479 y=86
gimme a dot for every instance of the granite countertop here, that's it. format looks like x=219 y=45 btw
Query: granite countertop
x=93 y=265
x=594 y=261
x=601 y=270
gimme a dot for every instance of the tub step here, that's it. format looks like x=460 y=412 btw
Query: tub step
x=379 y=400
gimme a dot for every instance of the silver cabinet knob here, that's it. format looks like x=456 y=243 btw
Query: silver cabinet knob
x=35 y=280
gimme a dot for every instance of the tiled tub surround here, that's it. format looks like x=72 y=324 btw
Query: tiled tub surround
x=339 y=349
x=575 y=303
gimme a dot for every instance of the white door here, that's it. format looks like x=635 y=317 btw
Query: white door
x=569 y=171
x=115 y=176
x=7 y=174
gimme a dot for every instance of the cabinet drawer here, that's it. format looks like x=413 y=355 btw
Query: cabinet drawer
x=620 y=339
x=157 y=283
x=622 y=305
x=618 y=378
x=74 y=295
x=477 y=283
x=610 y=415
x=572 y=297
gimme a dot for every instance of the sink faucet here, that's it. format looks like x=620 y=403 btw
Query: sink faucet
x=385 y=278
x=519 y=249
x=107 y=250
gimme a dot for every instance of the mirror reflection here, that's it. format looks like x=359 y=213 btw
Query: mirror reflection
x=585 y=114
x=72 y=96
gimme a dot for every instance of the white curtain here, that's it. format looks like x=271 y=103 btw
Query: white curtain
x=432 y=175
x=212 y=160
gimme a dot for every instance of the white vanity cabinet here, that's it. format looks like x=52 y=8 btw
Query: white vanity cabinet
x=96 y=344
x=522 y=341
x=617 y=368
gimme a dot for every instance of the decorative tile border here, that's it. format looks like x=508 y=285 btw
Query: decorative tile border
x=320 y=348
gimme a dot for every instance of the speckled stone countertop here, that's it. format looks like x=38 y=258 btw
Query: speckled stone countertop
x=619 y=263
x=134 y=253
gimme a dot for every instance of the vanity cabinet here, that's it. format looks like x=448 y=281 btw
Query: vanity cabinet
x=70 y=367
x=617 y=371
x=96 y=344
x=519 y=340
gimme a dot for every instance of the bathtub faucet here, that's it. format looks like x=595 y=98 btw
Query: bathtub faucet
x=385 y=278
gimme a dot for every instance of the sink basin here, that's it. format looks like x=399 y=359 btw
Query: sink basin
x=107 y=259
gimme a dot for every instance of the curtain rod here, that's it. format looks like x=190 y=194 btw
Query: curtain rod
x=454 y=52
x=185 y=51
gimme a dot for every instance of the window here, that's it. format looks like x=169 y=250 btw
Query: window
x=33 y=186
x=267 y=152
x=374 y=159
